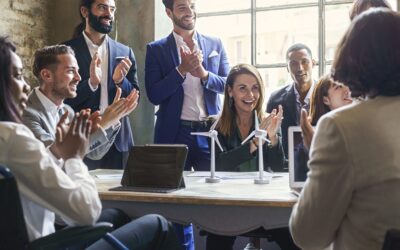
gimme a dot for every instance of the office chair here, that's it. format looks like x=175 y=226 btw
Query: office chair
x=392 y=240
x=13 y=233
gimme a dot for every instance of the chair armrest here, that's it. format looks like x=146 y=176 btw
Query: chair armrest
x=70 y=236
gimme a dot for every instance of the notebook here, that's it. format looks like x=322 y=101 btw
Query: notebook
x=154 y=168
x=298 y=158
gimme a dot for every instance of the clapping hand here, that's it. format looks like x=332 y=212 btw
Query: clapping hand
x=95 y=70
x=306 y=129
x=73 y=142
x=119 y=108
x=121 y=70
x=274 y=125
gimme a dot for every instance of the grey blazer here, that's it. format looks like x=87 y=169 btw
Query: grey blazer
x=39 y=121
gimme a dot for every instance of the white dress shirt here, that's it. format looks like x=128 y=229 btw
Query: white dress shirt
x=193 y=108
x=44 y=187
x=50 y=107
x=102 y=51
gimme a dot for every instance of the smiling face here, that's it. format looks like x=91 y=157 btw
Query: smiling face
x=338 y=96
x=183 y=14
x=300 y=66
x=19 y=88
x=64 y=78
x=101 y=15
x=245 y=93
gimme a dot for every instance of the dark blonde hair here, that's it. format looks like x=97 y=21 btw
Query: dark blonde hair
x=317 y=106
x=367 y=58
x=228 y=116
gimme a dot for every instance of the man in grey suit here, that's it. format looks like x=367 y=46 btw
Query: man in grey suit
x=56 y=69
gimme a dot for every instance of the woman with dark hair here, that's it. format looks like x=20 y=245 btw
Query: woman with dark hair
x=354 y=161
x=327 y=95
x=359 y=6
x=244 y=95
x=47 y=188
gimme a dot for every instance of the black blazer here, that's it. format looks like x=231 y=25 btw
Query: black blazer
x=86 y=98
x=286 y=97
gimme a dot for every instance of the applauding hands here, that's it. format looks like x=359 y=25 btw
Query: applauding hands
x=191 y=62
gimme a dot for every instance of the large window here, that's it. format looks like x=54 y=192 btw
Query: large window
x=260 y=31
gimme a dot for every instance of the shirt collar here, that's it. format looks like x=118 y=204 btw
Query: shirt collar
x=180 y=42
x=48 y=105
x=308 y=96
x=91 y=45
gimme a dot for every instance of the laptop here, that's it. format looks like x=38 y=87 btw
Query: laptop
x=156 y=168
x=298 y=158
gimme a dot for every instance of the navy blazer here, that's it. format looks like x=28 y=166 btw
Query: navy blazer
x=164 y=83
x=86 y=98
x=286 y=97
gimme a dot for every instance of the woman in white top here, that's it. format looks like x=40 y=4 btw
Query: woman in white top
x=350 y=198
x=44 y=186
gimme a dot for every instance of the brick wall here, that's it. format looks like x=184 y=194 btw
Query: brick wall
x=26 y=23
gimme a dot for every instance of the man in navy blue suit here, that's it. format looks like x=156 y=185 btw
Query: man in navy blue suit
x=104 y=65
x=184 y=74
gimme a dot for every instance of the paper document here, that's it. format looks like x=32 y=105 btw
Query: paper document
x=231 y=175
x=109 y=176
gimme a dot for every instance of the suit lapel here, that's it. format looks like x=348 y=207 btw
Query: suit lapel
x=203 y=48
x=83 y=53
x=290 y=99
x=41 y=111
x=111 y=55
x=173 y=50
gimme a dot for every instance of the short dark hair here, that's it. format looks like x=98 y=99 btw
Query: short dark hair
x=8 y=110
x=47 y=57
x=298 y=46
x=169 y=4
x=367 y=58
x=359 y=6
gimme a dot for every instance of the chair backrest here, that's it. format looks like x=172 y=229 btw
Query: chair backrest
x=13 y=234
x=392 y=240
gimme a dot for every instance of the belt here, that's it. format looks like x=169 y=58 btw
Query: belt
x=196 y=124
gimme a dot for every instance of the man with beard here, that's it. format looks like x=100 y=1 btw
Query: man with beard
x=56 y=69
x=295 y=96
x=104 y=65
x=184 y=74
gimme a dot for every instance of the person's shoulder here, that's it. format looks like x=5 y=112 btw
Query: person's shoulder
x=282 y=90
x=73 y=42
x=160 y=42
x=10 y=129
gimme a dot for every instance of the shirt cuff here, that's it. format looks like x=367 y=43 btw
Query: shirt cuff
x=58 y=161
x=91 y=86
x=183 y=76
x=73 y=166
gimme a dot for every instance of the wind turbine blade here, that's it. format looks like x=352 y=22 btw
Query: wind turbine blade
x=265 y=139
x=256 y=120
x=200 y=133
x=214 y=124
x=219 y=144
x=248 y=137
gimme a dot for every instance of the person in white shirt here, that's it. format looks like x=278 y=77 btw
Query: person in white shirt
x=350 y=198
x=45 y=187
x=57 y=71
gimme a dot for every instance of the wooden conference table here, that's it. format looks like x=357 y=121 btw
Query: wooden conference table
x=232 y=207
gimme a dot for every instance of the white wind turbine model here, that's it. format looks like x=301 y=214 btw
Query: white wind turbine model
x=261 y=135
x=213 y=134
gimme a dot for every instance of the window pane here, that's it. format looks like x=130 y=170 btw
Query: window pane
x=277 y=30
x=337 y=22
x=269 y=3
x=234 y=31
x=221 y=5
